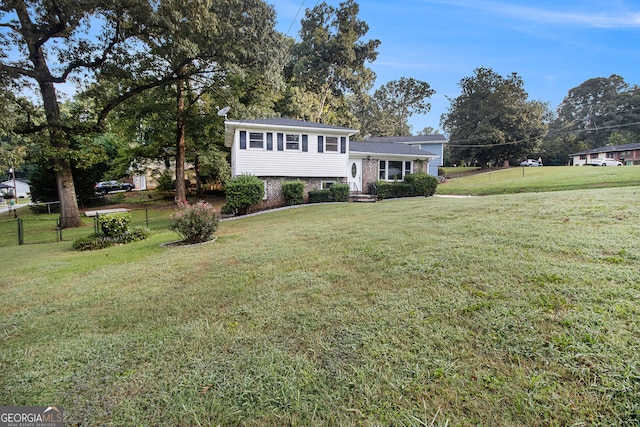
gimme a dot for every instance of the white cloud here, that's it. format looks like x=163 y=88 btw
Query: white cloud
x=588 y=15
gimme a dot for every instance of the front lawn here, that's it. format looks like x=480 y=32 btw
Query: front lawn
x=538 y=179
x=506 y=310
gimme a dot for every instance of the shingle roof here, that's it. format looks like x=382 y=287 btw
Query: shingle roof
x=609 y=149
x=437 y=138
x=388 y=148
x=283 y=121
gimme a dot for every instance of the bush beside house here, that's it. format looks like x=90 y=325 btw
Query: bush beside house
x=293 y=192
x=242 y=192
x=419 y=184
x=337 y=193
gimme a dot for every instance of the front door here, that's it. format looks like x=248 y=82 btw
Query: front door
x=355 y=174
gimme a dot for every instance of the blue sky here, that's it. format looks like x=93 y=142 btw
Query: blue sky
x=553 y=45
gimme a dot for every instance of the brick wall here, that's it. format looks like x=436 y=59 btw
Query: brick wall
x=274 y=190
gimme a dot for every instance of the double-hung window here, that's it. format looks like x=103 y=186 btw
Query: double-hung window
x=292 y=142
x=331 y=144
x=256 y=140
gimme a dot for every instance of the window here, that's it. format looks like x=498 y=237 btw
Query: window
x=293 y=142
x=327 y=184
x=332 y=144
x=256 y=140
x=392 y=170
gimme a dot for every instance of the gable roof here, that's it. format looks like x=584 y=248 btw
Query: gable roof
x=413 y=139
x=608 y=149
x=389 y=149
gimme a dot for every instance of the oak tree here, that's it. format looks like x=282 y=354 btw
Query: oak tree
x=492 y=121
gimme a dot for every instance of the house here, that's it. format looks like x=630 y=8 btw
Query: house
x=22 y=188
x=385 y=161
x=628 y=154
x=281 y=149
x=433 y=144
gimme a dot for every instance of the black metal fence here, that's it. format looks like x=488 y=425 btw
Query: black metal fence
x=45 y=228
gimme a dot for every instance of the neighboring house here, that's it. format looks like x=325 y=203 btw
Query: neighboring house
x=279 y=149
x=628 y=154
x=433 y=144
x=22 y=188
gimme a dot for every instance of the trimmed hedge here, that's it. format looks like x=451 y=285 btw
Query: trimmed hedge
x=423 y=183
x=419 y=184
x=293 y=192
x=392 y=190
x=320 y=196
x=243 y=191
x=340 y=192
x=337 y=193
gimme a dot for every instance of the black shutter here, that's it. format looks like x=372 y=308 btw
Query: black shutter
x=243 y=139
x=280 y=142
x=320 y=144
x=305 y=143
x=343 y=144
x=269 y=141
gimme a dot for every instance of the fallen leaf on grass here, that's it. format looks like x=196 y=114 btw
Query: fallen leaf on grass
x=205 y=389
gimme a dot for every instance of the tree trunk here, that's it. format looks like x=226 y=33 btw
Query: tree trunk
x=181 y=190
x=69 y=212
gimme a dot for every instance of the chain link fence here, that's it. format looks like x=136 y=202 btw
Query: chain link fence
x=45 y=228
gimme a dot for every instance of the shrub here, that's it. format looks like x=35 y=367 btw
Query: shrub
x=136 y=234
x=165 y=182
x=391 y=190
x=243 y=192
x=227 y=210
x=423 y=183
x=90 y=243
x=320 y=196
x=340 y=192
x=293 y=192
x=195 y=223
x=114 y=226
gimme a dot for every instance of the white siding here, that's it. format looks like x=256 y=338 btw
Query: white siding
x=263 y=162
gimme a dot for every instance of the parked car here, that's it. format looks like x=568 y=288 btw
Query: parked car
x=605 y=162
x=530 y=162
x=105 y=187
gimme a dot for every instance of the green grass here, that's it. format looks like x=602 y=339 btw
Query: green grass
x=539 y=179
x=42 y=228
x=503 y=310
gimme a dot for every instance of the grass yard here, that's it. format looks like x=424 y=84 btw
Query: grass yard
x=538 y=179
x=506 y=310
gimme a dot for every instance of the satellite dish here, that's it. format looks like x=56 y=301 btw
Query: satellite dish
x=223 y=112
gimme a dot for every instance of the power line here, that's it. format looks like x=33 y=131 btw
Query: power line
x=295 y=17
x=457 y=143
